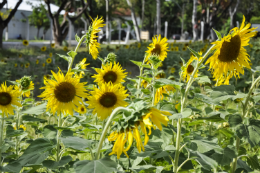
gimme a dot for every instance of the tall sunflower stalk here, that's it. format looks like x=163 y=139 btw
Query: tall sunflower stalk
x=183 y=102
x=245 y=112
x=1 y=138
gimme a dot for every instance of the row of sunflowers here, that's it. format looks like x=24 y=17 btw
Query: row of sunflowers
x=146 y=123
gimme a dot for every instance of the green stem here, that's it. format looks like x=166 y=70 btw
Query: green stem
x=140 y=80
x=154 y=89
x=76 y=49
x=103 y=135
x=254 y=83
x=183 y=101
x=1 y=139
x=58 y=140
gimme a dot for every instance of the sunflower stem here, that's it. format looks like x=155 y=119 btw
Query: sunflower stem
x=254 y=83
x=183 y=101
x=76 y=49
x=58 y=140
x=154 y=89
x=140 y=80
x=103 y=135
x=1 y=139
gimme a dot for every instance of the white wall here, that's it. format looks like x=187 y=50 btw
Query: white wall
x=16 y=27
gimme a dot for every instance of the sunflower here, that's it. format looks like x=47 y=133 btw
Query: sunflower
x=8 y=98
x=50 y=54
x=184 y=48
x=21 y=127
x=188 y=69
x=157 y=117
x=65 y=48
x=15 y=65
x=122 y=137
x=110 y=73
x=144 y=83
x=172 y=70
x=82 y=109
x=230 y=56
x=63 y=93
x=139 y=45
x=162 y=90
x=173 y=49
x=20 y=55
x=81 y=66
x=48 y=60
x=27 y=65
x=158 y=47
x=25 y=42
x=160 y=75
x=154 y=116
x=106 y=98
x=177 y=48
x=52 y=45
x=37 y=61
x=92 y=35
x=127 y=46
x=21 y=65
x=44 y=48
x=43 y=64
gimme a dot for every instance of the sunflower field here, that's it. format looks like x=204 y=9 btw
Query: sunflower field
x=146 y=107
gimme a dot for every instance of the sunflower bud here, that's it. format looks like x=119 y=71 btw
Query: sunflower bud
x=25 y=82
x=111 y=57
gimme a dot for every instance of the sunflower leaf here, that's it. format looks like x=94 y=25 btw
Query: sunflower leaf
x=67 y=58
x=194 y=52
x=138 y=63
x=72 y=54
x=77 y=38
x=218 y=34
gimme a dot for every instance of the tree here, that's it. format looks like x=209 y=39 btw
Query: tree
x=194 y=20
x=134 y=20
x=4 y=22
x=232 y=13
x=60 y=28
x=158 y=16
x=39 y=18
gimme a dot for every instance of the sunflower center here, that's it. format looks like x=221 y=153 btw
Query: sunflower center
x=230 y=50
x=5 y=98
x=190 y=69
x=110 y=76
x=108 y=99
x=82 y=109
x=157 y=49
x=65 y=92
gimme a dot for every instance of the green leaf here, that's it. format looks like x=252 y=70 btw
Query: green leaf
x=218 y=34
x=194 y=52
x=39 y=145
x=203 y=80
x=146 y=91
x=72 y=54
x=12 y=167
x=54 y=165
x=138 y=63
x=186 y=112
x=205 y=161
x=104 y=165
x=163 y=82
x=33 y=119
x=77 y=38
x=10 y=132
x=77 y=143
x=225 y=89
x=205 y=146
x=37 y=110
x=50 y=132
x=226 y=157
x=164 y=136
x=213 y=118
x=253 y=162
x=67 y=58
x=256 y=98
x=234 y=120
x=243 y=165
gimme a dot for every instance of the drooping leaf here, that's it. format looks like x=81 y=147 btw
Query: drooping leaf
x=37 y=110
x=54 y=165
x=77 y=143
x=104 y=165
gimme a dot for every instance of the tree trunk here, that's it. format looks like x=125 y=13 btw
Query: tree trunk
x=58 y=40
x=232 y=14
x=158 y=16
x=107 y=22
x=38 y=32
x=143 y=7
x=134 y=20
x=194 y=20
x=1 y=37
